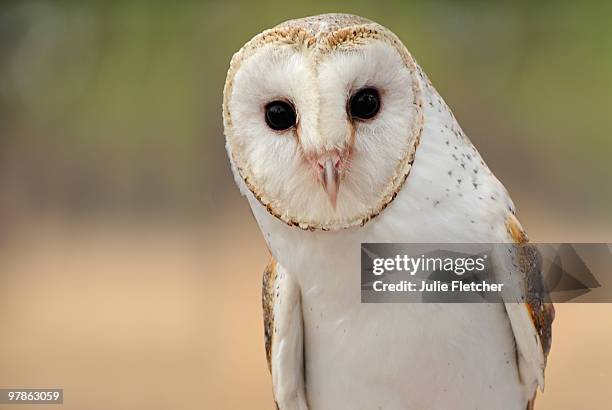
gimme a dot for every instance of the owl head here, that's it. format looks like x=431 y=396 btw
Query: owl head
x=322 y=118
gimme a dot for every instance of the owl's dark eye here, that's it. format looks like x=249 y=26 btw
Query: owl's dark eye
x=364 y=104
x=280 y=115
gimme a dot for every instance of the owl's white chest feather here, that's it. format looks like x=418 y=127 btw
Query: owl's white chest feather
x=395 y=356
x=410 y=357
x=399 y=356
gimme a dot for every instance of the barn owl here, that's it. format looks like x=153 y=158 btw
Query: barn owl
x=336 y=137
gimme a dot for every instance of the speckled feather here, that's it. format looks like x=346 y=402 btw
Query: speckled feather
x=324 y=24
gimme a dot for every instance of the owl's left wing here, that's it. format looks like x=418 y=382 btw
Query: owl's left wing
x=284 y=332
x=530 y=313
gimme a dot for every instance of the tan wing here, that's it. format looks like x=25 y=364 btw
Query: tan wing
x=542 y=313
x=267 y=301
x=283 y=333
x=531 y=320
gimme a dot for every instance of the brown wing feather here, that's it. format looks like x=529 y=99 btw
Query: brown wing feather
x=538 y=304
x=267 y=299
x=541 y=311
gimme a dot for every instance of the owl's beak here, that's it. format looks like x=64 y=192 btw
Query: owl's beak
x=328 y=173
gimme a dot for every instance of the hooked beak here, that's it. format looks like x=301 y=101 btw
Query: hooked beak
x=328 y=172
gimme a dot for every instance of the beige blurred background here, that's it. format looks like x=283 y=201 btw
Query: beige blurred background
x=129 y=265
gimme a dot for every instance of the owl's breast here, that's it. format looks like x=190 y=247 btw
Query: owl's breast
x=398 y=356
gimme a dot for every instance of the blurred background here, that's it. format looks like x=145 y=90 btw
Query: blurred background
x=130 y=267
